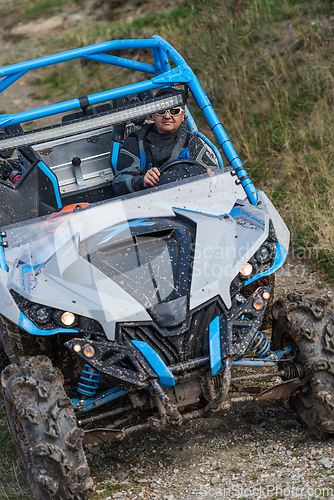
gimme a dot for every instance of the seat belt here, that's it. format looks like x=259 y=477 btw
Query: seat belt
x=178 y=147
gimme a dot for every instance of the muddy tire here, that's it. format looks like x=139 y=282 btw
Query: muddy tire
x=4 y=361
x=305 y=321
x=44 y=428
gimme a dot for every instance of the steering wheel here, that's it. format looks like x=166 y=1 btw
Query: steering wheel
x=180 y=161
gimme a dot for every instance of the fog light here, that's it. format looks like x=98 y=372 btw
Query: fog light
x=40 y=314
x=263 y=254
x=89 y=351
x=266 y=295
x=258 y=303
x=67 y=318
x=247 y=269
x=43 y=315
x=77 y=348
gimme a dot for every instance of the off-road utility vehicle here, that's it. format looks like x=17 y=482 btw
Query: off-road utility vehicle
x=129 y=313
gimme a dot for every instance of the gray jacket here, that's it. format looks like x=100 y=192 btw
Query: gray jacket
x=146 y=148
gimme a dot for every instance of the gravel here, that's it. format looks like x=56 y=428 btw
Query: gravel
x=249 y=451
x=223 y=457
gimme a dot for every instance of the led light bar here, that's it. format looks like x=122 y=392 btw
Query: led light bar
x=92 y=122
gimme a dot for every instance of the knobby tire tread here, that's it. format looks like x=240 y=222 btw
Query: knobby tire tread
x=305 y=321
x=44 y=428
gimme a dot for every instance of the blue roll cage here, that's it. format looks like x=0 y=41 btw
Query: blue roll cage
x=164 y=75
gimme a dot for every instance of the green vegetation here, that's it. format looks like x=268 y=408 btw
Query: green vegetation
x=30 y=10
x=302 y=440
x=12 y=486
x=235 y=470
x=105 y=491
x=41 y=8
x=298 y=454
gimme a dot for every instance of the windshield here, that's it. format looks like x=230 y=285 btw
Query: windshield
x=211 y=195
x=142 y=256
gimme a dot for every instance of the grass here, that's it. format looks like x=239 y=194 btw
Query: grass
x=30 y=10
x=42 y=8
x=298 y=454
x=12 y=485
x=236 y=470
x=302 y=440
x=39 y=9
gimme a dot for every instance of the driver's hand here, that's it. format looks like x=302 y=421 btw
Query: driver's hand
x=210 y=172
x=151 y=178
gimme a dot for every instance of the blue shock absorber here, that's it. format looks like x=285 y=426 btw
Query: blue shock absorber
x=90 y=381
x=261 y=345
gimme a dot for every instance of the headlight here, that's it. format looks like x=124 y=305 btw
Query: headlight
x=247 y=269
x=265 y=253
x=258 y=303
x=48 y=318
x=64 y=318
x=40 y=314
x=262 y=260
x=67 y=318
x=89 y=351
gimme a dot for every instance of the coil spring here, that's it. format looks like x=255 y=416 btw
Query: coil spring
x=90 y=381
x=261 y=345
x=293 y=371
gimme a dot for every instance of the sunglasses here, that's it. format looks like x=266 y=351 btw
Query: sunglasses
x=171 y=111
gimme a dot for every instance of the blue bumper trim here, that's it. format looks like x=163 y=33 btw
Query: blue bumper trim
x=214 y=344
x=237 y=211
x=3 y=264
x=54 y=181
x=114 y=154
x=166 y=378
x=29 y=327
x=280 y=257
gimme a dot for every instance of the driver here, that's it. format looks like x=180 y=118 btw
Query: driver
x=155 y=144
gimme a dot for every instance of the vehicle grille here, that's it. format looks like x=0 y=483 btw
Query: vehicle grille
x=175 y=345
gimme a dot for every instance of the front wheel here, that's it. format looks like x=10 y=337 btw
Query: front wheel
x=305 y=321
x=44 y=429
x=4 y=361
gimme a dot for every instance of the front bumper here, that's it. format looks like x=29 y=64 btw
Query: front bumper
x=135 y=362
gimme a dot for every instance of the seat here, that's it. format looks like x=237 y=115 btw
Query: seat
x=121 y=131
